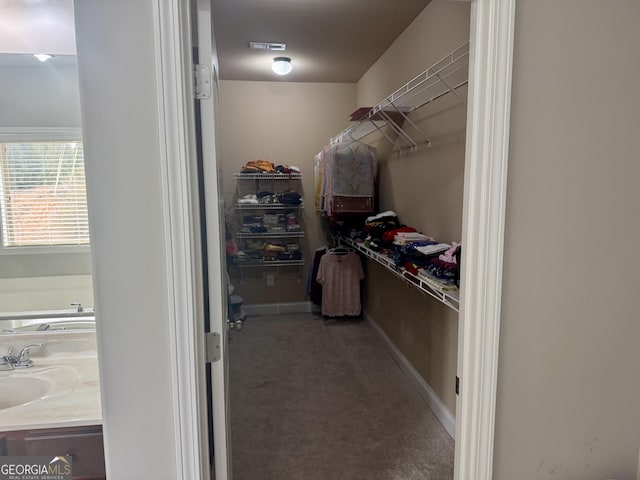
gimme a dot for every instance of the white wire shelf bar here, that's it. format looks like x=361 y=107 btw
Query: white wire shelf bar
x=268 y=176
x=269 y=263
x=266 y=206
x=443 y=77
x=451 y=298
x=270 y=235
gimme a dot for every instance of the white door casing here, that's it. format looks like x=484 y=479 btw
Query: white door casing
x=175 y=77
x=214 y=219
x=487 y=151
x=180 y=178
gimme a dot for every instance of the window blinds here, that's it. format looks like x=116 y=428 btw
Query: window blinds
x=43 y=199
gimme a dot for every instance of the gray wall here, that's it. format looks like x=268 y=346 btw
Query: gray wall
x=264 y=120
x=425 y=189
x=116 y=53
x=42 y=95
x=568 y=386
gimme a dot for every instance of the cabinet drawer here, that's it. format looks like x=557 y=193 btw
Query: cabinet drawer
x=85 y=448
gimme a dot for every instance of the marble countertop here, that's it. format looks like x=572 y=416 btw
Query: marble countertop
x=73 y=398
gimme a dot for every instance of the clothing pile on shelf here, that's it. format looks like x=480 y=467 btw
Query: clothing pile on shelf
x=268 y=251
x=434 y=262
x=345 y=178
x=271 y=222
x=340 y=272
x=258 y=166
x=264 y=166
x=285 y=198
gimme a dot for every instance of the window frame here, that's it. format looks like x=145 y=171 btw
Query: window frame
x=9 y=135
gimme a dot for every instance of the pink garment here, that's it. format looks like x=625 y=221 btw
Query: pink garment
x=448 y=255
x=340 y=277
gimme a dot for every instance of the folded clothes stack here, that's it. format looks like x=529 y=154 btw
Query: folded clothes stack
x=248 y=199
x=270 y=223
x=433 y=260
x=271 y=252
x=389 y=235
x=252 y=220
x=258 y=166
x=267 y=197
x=264 y=166
x=403 y=236
x=297 y=255
x=411 y=250
x=271 y=219
x=287 y=169
x=290 y=198
x=436 y=282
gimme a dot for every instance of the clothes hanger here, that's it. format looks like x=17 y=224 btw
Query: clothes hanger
x=340 y=250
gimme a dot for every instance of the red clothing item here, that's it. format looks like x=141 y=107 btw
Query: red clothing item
x=411 y=267
x=389 y=235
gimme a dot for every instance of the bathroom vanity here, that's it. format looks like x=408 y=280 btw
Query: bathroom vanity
x=83 y=443
x=53 y=407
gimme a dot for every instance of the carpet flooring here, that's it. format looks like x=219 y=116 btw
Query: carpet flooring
x=313 y=399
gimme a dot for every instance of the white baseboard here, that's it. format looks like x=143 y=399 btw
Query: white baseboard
x=439 y=409
x=277 y=308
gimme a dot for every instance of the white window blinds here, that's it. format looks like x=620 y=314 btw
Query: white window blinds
x=43 y=198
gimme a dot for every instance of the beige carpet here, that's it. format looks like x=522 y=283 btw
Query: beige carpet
x=318 y=400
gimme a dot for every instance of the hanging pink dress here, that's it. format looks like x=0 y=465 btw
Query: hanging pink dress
x=340 y=277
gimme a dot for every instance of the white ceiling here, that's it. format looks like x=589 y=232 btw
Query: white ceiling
x=327 y=40
x=37 y=26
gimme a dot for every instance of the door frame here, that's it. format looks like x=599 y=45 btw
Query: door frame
x=177 y=134
x=488 y=118
x=485 y=187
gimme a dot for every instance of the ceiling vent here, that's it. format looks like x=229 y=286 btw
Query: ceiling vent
x=279 y=47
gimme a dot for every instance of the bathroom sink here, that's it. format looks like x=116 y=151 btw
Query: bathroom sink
x=18 y=389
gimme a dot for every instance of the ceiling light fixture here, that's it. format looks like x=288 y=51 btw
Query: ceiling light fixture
x=43 y=57
x=281 y=65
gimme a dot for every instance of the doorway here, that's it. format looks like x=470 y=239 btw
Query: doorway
x=150 y=327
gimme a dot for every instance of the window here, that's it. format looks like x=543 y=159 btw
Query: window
x=43 y=199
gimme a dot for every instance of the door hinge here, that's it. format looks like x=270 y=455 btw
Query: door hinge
x=457 y=385
x=212 y=341
x=202 y=77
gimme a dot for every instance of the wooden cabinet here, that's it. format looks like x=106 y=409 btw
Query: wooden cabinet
x=84 y=445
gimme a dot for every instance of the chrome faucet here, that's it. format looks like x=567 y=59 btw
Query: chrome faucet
x=22 y=360
x=6 y=363
x=79 y=305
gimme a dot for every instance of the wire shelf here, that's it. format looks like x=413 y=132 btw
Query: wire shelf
x=268 y=176
x=451 y=298
x=444 y=77
x=269 y=263
x=241 y=235
x=267 y=206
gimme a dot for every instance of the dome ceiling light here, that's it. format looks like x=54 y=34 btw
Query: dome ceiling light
x=281 y=65
x=43 y=57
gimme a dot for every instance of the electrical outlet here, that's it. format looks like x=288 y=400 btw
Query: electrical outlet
x=270 y=280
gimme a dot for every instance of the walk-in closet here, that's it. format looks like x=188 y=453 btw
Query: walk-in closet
x=343 y=206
